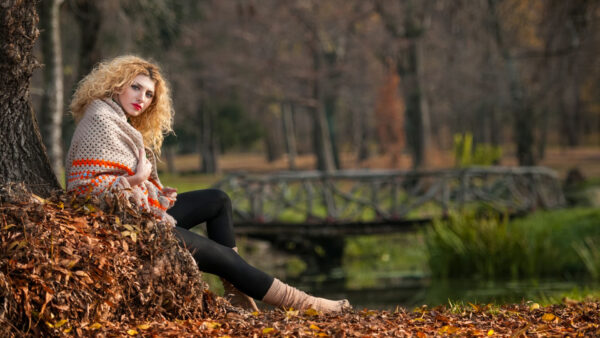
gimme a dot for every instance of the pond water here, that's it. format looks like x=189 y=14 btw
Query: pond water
x=375 y=274
x=410 y=292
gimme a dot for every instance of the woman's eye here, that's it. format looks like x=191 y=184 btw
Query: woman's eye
x=136 y=87
x=149 y=95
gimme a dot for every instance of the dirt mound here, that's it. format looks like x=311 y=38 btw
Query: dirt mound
x=67 y=266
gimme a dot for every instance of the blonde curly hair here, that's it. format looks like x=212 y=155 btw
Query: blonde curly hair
x=111 y=77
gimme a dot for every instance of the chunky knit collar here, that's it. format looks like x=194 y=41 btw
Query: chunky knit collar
x=115 y=106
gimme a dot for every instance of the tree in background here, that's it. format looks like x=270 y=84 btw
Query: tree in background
x=52 y=107
x=405 y=22
x=389 y=111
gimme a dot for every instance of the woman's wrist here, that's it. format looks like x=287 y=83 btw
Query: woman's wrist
x=134 y=180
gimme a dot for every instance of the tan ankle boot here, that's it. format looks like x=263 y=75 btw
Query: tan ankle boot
x=235 y=296
x=283 y=295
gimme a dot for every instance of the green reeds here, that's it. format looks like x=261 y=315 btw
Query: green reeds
x=589 y=251
x=546 y=244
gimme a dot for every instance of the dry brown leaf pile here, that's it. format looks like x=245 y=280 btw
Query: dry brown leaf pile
x=67 y=268
x=65 y=265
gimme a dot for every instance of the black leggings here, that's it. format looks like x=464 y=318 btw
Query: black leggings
x=214 y=254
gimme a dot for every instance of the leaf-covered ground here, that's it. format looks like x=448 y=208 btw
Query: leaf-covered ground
x=68 y=268
x=569 y=319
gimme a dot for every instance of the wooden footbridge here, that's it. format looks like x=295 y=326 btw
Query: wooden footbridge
x=380 y=201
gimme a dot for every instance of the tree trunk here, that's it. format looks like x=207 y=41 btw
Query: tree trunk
x=521 y=107
x=207 y=143
x=362 y=135
x=329 y=104
x=569 y=106
x=543 y=136
x=290 y=135
x=426 y=137
x=408 y=72
x=52 y=107
x=322 y=139
x=273 y=136
x=407 y=60
x=23 y=157
x=89 y=17
x=170 y=158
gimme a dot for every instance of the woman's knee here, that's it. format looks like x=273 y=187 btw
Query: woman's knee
x=220 y=196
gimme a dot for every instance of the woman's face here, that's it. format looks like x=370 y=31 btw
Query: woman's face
x=137 y=97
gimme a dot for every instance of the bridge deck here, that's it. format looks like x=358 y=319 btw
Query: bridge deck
x=370 y=201
x=277 y=229
x=327 y=230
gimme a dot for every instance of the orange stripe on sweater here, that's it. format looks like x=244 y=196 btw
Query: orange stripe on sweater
x=104 y=163
x=153 y=181
x=155 y=203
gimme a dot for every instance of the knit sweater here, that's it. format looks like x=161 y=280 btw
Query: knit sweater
x=104 y=151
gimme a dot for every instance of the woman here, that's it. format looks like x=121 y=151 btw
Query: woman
x=123 y=108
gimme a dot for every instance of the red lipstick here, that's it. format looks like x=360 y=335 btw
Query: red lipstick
x=136 y=106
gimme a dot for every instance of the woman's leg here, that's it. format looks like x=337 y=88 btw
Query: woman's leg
x=222 y=261
x=216 y=254
x=212 y=206
x=218 y=259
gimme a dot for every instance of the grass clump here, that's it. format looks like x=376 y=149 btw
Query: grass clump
x=544 y=244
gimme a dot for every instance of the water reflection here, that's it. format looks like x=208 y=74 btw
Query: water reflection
x=410 y=292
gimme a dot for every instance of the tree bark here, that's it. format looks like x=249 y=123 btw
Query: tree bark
x=290 y=135
x=407 y=65
x=207 y=143
x=273 y=136
x=170 y=158
x=52 y=107
x=321 y=137
x=424 y=112
x=521 y=107
x=570 y=106
x=23 y=157
x=408 y=72
x=89 y=17
x=329 y=104
x=362 y=136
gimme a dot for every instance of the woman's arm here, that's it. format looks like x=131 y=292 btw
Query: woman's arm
x=143 y=170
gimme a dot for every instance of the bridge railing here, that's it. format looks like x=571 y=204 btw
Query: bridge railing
x=386 y=195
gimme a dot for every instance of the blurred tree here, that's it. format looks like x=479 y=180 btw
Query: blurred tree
x=389 y=111
x=52 y=107
x=570 y=35
x=406 y=21
x=287 y=110
x=89 y=16
x=521 y=105
x=322 y=54
x=235 y=129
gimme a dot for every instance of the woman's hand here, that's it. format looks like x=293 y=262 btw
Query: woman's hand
x=169 y=192
x=143 y=170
